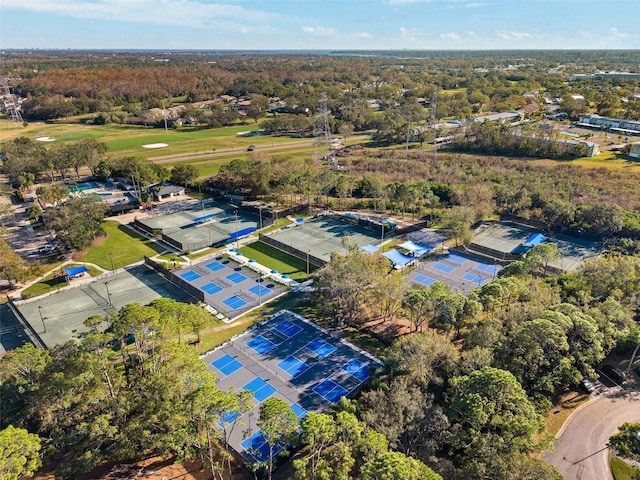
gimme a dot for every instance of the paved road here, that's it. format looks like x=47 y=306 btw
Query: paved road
x=581 y=452
x=223 y=152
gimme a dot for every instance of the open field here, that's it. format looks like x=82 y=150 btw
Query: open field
x=607 y=159
x=277 y=260
x=128 y=139
x=121 y=245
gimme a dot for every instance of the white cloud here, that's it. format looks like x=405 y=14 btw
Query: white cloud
x=512 y=35
x=412 y=34
x=614 y=32
x=190 y=13
x=475 y=4
x=403 y=2
x=360 y=35
x=332 y=32
x=450 y=36
x=471 y=34
x=321 y=31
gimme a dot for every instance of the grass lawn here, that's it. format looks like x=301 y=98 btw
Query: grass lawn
x=277 y=260
x=128 y=139
x=622 y=470
x=281 y=222
x=606 y=159
x=46 y=285
x=122 y=245
x=171 y=257
x=560 y=412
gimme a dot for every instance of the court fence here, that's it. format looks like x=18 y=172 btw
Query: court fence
x=31 y=332
x=175 y=279
x=496 y=255
x=305 y=256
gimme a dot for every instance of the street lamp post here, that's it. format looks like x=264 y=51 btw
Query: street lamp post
x=260 y=210
x=307 y=263
x=42 y=318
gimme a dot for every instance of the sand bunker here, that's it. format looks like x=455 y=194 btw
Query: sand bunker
x=155 y=145
x=45 y=139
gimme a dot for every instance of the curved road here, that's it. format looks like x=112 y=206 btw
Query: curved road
x=581 y=451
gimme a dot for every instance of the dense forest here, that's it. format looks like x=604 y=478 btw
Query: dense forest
x=58 y=86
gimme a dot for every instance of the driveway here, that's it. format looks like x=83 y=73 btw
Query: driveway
x=581 y=451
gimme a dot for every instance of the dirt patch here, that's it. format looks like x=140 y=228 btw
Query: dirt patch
x=564 y=404
x=389 y=331
x=98 y=241
x=155 y=468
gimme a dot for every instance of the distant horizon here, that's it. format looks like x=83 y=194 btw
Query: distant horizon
x=368 y=25
x=133 y=49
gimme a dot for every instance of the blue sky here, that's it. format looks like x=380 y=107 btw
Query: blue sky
x=320 y=24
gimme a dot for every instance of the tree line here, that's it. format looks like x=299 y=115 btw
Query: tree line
x=450 y=394
x=78 y=85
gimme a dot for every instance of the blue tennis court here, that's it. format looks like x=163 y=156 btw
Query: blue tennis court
x=227 y=364
x=234 y=302
x=259 y=290
x=424 y=280
x=298 y=410
x=293 y=366
x=287 y=328
x=229 y=417
x=214 y=266
x=211 y=288
x=257 y=446
x=260 y=345
x=260 y=388
x=330 y=390
x=443 y=267
x=320 y=347
x=456 y=258
x=190 y=275
x=357 y=369
x=472 y=277
x=236 y=277
x=492 y=269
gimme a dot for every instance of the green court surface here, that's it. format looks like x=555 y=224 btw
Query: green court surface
x=277 y=260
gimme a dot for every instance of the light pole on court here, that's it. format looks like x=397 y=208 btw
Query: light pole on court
x=235 y=212
x=42 y=318
x=106 y=285
x=307 y=263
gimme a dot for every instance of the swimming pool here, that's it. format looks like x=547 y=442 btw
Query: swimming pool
x=81 y=187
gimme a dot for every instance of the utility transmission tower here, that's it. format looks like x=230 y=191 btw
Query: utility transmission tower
x=432 y=121
x=13 y=112
x=321 y=130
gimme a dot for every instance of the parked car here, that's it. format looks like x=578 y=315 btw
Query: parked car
x=251 y=148
x=613 y=373
x=587 y=386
